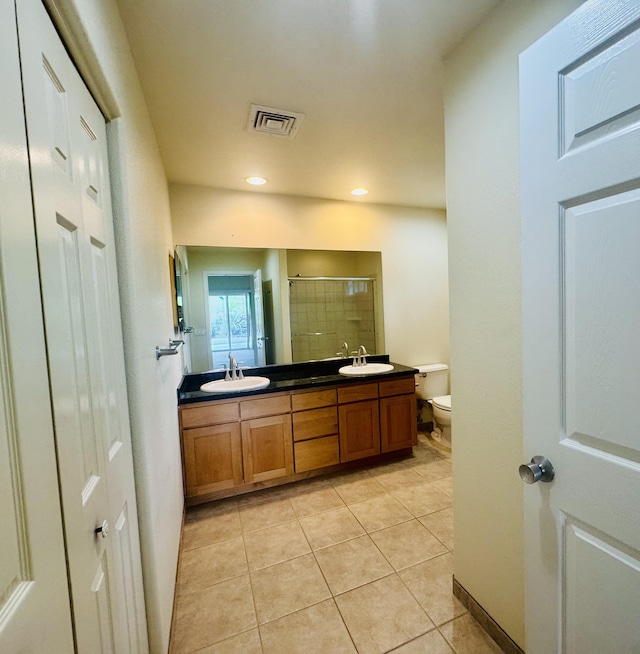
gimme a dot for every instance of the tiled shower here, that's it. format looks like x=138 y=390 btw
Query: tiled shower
x=325 y=312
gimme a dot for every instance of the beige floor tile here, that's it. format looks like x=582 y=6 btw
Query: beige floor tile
x=431 y=643
x=266 y=514
x=422 y=499
x=440 y=524
x=359 y=489
x=433 y=470
x=338 y=478
x=431 y=584
x=208 y=509
x=425 y=450
x=211 y=564
x=263 y=495
x=246 y=643
x=331 y=527
x=291 y=587
x=466 y=636
x=408 y=543
x=213 y=614
x=316 y=500
x=445 y=485
x=210 y=523
x=351 y=564
x=273 y=545
x=389 y=466
x=380 y=512
x=318 y=629
x=287 y=587
x=399 y=478
x=382 y=615
x=306 y=485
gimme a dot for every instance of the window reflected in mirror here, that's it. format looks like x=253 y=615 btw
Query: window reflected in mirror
x=278 y=306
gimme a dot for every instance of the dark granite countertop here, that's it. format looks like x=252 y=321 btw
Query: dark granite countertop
x=286 y=377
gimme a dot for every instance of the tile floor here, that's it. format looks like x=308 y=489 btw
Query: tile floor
x=356 y=562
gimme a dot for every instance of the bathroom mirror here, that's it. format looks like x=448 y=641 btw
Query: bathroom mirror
x=277 y=306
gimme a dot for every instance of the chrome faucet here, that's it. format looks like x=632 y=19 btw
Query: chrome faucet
x=362 y=354
x=233 y=366
x=345 y=350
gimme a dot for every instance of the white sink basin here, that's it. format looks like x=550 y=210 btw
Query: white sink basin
x=369 y=369
x=235 y=385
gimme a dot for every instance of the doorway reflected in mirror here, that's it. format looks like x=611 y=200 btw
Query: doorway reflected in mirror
x=278 y=306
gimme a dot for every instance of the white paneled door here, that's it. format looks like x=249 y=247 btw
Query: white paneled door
x=580 y=140
x=34 y=602
x=68 y=158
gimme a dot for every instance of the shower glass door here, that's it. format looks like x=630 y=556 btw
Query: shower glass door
x=329 y=311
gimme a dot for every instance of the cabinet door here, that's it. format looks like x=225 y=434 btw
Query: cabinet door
x=267 y=448
x=212 y=458
x=398 y=422
x=359 y=430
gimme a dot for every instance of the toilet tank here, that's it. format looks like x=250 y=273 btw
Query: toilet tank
x=432 y=380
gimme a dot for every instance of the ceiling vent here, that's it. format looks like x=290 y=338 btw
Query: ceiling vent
x=276 y=122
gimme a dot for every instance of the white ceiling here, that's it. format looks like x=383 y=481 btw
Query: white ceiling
x=367 y=74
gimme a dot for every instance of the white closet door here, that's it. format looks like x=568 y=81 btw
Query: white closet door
x=67 y=149
x=34 y=599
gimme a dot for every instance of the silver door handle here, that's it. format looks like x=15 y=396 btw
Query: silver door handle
x=540 y=469
x=103 y=529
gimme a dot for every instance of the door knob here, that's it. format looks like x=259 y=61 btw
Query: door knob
x=540 y=469
x=103 y=529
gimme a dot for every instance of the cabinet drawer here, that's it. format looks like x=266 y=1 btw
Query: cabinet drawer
x=318 y=453
x=400 y=386
x=209 y=414
x=358 y=393
x=313 y=400
x=315 y=423
x=268 y=405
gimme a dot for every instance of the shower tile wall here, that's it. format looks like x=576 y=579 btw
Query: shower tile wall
x=325 y=313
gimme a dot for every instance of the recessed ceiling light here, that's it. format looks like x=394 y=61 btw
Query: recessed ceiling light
x=359 y=191
x=256 y=181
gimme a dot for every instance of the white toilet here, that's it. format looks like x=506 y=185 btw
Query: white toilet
x=432 y=385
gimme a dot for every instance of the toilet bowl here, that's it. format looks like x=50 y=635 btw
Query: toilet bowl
x=432 y=384
x=441 y=434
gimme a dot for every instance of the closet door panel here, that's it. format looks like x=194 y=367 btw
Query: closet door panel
x=34 y=599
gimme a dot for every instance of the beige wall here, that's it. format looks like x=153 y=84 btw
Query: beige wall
x=95 y=36
x=482 y=153
x=413 y=243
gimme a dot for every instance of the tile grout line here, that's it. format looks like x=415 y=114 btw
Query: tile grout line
x=253 y=595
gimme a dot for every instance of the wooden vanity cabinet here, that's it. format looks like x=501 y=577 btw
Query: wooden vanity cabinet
x=359 y=421
x=228 y=443
x=398 y=414
x=211 y=448
x=266 y=448
x=212 y=458
x=315 y=429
